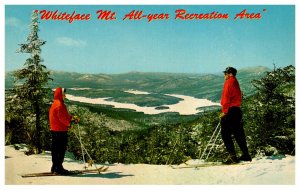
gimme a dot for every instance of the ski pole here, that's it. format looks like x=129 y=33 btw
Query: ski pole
x=211 y=138
x=213 y=144
x=83 y=147
x=82 y=151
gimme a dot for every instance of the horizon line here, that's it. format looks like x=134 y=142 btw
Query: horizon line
x=137 y=71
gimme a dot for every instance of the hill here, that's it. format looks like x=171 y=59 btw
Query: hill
x=206 y=86
x=113 y=86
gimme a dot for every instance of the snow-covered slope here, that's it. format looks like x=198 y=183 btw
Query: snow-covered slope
x=263 y=171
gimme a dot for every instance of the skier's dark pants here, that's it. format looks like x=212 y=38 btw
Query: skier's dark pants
x=231 y=124
x=59 y=146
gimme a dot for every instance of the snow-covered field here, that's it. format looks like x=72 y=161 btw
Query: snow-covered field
x=261 y=171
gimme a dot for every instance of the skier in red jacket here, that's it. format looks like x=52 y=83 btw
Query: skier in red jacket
x=60 y=120
x=231 y=118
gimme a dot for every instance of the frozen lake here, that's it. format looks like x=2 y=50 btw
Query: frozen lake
x=187 y=106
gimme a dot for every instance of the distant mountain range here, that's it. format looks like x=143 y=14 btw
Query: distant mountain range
x=207 y=86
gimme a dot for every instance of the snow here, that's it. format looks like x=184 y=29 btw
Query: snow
x=261 y=171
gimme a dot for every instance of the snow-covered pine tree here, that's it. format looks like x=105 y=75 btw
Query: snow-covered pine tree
x=273 y=110
x=31 y=91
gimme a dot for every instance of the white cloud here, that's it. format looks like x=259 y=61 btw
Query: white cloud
x=14 y=22
x=66 y=41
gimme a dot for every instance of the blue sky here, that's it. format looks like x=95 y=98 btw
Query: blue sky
x=198 y=46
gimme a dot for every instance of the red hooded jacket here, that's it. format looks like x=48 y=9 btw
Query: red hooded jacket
x=231 y=95
x=59 y=117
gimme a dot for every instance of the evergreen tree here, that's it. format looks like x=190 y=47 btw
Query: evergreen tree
x=30 y=91
x=272 y=110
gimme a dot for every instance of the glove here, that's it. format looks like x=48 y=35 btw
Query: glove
x=75 y=119
x=222 y=115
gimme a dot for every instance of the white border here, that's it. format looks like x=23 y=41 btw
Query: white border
x=139 y=2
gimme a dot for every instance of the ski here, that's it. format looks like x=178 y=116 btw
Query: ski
x=208 y=164
x=71 y=172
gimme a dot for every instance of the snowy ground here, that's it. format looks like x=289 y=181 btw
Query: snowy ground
x=259 y=172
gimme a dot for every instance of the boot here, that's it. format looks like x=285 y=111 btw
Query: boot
x=231 y=159
x=245 y=157
x=53 y=169
x=59 y=170
x=62 y=171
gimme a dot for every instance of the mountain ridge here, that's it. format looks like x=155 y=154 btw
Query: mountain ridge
x=199 y=85
x=245 y=69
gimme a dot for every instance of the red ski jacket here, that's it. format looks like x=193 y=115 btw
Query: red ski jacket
x=59 y=117
x=231 y=95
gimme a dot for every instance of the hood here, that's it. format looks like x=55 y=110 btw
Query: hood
x=58 y=94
